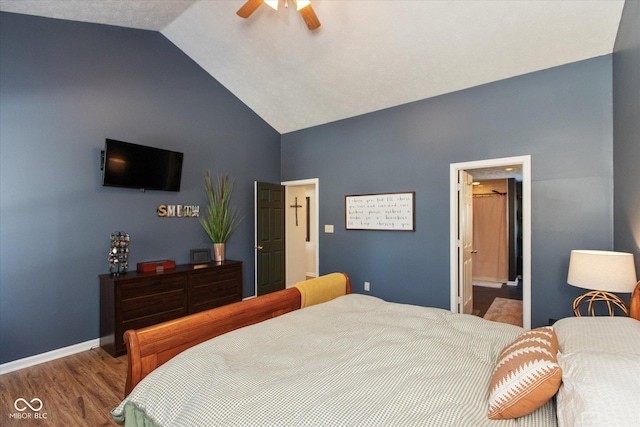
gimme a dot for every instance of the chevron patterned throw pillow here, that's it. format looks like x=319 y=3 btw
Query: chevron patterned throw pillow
x=526 y=375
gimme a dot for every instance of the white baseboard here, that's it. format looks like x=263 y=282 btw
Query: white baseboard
x=5 y=368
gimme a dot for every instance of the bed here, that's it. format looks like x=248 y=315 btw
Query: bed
x=315 y=354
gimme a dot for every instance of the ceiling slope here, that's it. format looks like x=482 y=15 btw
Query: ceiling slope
x=368 y=55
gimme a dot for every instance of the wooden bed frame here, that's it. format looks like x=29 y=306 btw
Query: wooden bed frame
x=150 y=347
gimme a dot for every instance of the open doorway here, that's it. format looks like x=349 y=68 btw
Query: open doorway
x=301 y=218
x=497 y=244
x=463 y=253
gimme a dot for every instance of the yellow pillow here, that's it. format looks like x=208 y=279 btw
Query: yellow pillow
x=321 y=289
x=526 y=375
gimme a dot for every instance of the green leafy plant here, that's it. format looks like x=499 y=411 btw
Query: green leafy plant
x=220 y=218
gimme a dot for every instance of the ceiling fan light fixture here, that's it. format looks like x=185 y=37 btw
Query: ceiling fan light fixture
x=302 y=6
x=309 y=16
x=248 y=8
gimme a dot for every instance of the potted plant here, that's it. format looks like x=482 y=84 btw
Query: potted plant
x=220 y=218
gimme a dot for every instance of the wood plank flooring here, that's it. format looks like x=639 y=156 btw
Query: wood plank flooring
x=483 y=297
x=78 y=390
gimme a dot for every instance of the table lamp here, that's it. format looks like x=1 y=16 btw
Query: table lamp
x=603 y=272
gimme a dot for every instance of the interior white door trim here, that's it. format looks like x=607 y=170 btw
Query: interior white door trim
x=525 y=161
x=255 y=241
x=315 y=182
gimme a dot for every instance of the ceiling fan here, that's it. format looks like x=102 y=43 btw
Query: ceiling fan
x=302 y=6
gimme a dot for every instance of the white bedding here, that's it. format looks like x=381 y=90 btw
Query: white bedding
x=600 y=361
x=600 y=334
x=356 y=360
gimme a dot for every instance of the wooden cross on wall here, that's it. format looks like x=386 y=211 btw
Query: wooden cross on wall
x=296 y=206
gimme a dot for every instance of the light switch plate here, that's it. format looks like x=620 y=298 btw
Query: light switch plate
x=328 y=228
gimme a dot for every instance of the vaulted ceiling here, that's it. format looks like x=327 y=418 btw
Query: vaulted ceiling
x=368 y=55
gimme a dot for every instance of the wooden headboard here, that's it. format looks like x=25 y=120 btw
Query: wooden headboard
x=634 y=310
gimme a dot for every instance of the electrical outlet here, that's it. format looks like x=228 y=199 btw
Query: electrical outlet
x=367 y=286
x=328 y=228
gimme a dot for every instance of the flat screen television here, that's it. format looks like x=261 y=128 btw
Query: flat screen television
x=137 y=166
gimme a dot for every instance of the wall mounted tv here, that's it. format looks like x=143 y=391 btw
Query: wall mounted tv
x=137 y=166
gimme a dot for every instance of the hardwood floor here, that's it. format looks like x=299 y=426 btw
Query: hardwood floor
x=483 y=297
x=78 y=390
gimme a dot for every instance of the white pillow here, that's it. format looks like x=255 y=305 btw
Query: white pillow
x=599 y=389
x=604 y=334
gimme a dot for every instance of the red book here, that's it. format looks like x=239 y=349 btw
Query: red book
x=156 y=266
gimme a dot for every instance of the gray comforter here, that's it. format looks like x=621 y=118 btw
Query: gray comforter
x=356 y=360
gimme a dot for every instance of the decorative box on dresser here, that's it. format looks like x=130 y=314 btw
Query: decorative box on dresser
x=135 y=300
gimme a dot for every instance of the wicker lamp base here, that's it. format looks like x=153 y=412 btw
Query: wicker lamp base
x=590 y=298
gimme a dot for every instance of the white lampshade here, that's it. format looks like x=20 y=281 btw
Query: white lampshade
x=602 y=271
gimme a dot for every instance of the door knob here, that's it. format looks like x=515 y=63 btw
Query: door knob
x=474 y=252
x=259 y=247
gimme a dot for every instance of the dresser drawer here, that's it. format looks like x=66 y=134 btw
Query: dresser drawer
x=138 y=322
x=147 y=298
x=152 y=285
x=214 y=289
x=214 y=295
x=207 y=278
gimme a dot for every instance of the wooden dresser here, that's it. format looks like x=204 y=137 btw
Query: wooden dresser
x=135 y=300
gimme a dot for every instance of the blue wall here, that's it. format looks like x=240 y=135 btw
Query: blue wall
x=562 y=117
x=626 y=132
x=65 y=87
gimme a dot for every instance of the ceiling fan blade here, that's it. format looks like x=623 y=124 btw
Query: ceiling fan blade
x=310 y=17
x=249 y=7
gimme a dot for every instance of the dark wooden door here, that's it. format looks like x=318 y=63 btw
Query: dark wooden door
x=270 y=239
